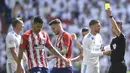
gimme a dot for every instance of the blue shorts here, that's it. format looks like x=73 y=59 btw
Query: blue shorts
x=39 y=70
x=62 y=70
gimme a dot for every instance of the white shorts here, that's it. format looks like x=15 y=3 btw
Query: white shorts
x=11 y=67
x=83 y=68
x=89 y=68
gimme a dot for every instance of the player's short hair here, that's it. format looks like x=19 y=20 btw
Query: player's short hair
x=85 y=29
x=15 y=21
x=55 y=21
x=93 y=22
x=37 y=20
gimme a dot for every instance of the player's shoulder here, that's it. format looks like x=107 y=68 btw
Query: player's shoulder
x=66 y=33
x=10 y=34
x=98 y=36
x=89 y=36
x=27 y=33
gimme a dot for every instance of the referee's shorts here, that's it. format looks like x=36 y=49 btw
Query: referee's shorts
x=118 y=67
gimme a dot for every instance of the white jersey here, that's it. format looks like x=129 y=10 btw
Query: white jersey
x=91 y=52
x=12 y=40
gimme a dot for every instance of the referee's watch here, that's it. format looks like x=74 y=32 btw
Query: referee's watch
x=110 y=16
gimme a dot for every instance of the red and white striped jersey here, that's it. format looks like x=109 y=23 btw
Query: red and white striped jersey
x=35 y=48
x=63 y=40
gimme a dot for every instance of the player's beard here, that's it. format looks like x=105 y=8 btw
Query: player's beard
x=98 y=31
x=37 y=31
x=56 y=33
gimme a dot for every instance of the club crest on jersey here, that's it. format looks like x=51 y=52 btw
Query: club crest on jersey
x=43 y=40
x=114 y=46
x=10 y=41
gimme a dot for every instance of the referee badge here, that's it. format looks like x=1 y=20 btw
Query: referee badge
x=114 y=46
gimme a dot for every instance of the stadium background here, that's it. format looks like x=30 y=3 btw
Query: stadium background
x=75 y=14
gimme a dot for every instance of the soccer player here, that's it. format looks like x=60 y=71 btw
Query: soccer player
x=63 y=45
x=34 y=42
x=92 y=43
x=12 y=45
x=85 y=31
x=117 y=45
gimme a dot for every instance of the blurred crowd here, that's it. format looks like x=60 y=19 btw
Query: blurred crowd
x=75 y=14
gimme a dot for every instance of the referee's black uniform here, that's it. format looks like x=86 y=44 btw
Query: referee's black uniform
x=117 y=57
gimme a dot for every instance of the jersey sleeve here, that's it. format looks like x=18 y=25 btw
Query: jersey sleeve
x=66 y=40
x=24 y=41
x=48 y=42
x=10 y=41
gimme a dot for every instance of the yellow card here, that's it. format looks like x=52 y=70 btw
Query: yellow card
x=107 y=5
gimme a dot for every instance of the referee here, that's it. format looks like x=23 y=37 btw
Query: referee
x=117 y=45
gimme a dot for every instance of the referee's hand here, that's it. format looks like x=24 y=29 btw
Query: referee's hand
x=109 y=11
x=107 y=52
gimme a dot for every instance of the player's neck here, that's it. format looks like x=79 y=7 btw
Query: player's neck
x=34 y=31
x=16 y=31
x=93 y=33
x=61 y=32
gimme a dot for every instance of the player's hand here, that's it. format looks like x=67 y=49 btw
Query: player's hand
x=68 y=62
x=19 y=69
x=109 y=11
x=102 y=49
x=74 y=36
x=107 y=52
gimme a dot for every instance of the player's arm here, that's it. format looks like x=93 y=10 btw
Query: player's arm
x=56 y=52
x=77 y=42
x=78 y=58
x=64 y=51
x=67 y=40
x=114 y=24
x=20 y=68
x=12 y=46
x=13 y=52
x=49 y=58
x=23 y=45
x=53 y=50
x=20 y=55
x=100 y=53
x=92 y=51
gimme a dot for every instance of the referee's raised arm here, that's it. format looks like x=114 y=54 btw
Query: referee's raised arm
x=115 y=27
